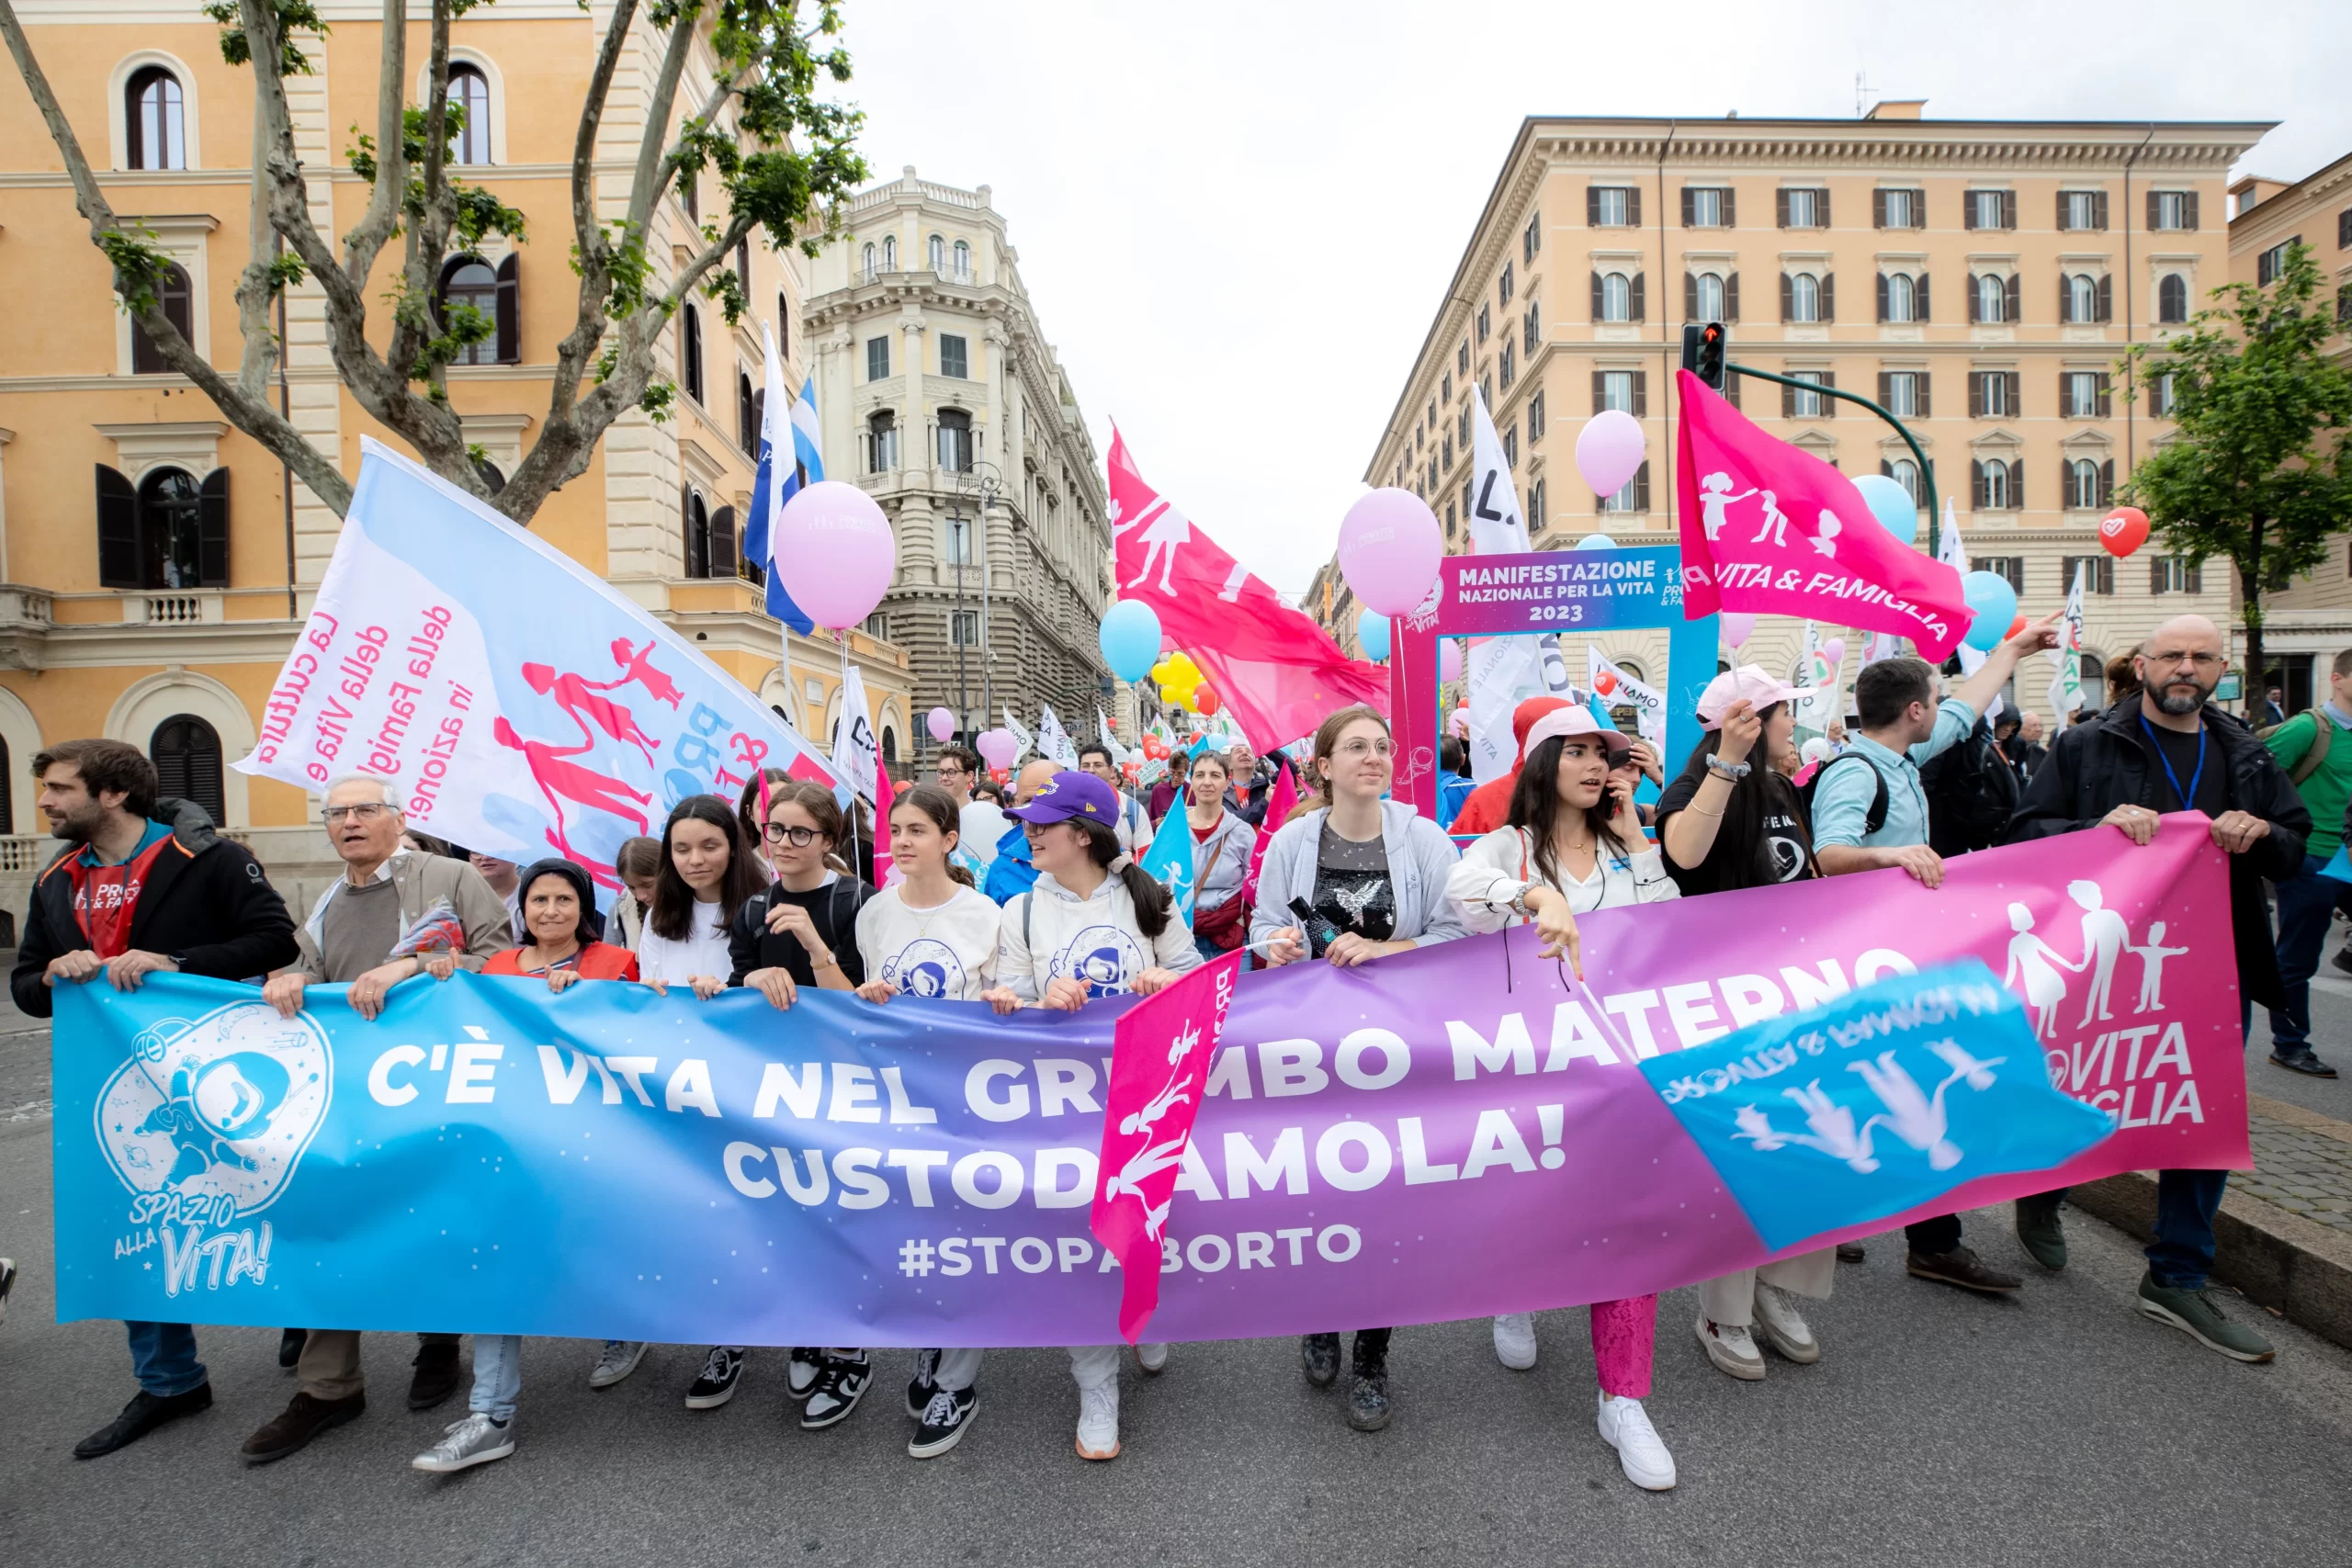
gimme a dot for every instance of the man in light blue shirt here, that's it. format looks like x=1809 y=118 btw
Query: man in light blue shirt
x=1902 y=727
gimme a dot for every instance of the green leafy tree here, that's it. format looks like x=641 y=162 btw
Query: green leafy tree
x=785 y=157
x=2257 y=470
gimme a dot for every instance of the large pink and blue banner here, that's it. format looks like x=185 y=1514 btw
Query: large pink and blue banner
x=1455 y=1132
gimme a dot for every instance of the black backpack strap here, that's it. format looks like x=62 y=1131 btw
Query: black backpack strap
x=1875 y=817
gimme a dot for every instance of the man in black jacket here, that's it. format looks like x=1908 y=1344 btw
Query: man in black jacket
x=130 y=896
x=2163 y=749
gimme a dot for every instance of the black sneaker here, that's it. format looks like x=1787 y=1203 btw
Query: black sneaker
x=715 y=1385
x=290 y=1346
x=922 y=1386
x=800 y=1369
x=944 y=1420
x=438 y=1372
x=1318 y=1357
x=1368 y=1394
x=1961 y=1266
x=142 y=1416
x=2301 y=1061
x=840 y=1384
x=1850 y=1252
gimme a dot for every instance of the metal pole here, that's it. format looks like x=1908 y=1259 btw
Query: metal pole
x=1927 y=469
x=956 y=625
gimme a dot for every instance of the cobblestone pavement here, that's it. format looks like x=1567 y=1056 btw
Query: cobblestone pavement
x=2302 y=1163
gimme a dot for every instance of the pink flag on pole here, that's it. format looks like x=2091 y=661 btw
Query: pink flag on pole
x=1161 y=1052
x=1768 y=527
x=1279 y=802
x=1278 y=673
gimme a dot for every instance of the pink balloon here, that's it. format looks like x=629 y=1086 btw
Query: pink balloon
x=1449 y=659
x=1389 y=548
x=834 y=549
x=941 y=723
x=1738 y=626
x=1610 y=450
x=998 y=747
x=1834 y=651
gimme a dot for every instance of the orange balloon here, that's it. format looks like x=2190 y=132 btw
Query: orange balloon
x=2122 y=531
x=2014 y=627
x=1205 y=701
x=1604 y=682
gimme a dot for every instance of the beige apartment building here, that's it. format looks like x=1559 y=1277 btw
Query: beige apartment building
x=155 y=563
x=2305 y=628
x=1982 y=279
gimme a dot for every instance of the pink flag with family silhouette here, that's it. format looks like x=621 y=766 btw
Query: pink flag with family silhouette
x=1766 y=526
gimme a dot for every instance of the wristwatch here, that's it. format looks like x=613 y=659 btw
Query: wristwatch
x=1734 y=772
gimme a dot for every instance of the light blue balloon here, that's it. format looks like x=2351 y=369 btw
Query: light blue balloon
x=1892 y=505
x=1596 y=542
x=1130 y=638
x=1996 y=603
x=1372 y=630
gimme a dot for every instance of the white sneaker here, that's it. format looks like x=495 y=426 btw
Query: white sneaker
x=1783 y=1329
x=1098 y=1422
x=620 y=1359
x=1515 y=1340
x=474 y=1439
x=1625 y=1427
x=1152 y=1358
x=1732 y=1349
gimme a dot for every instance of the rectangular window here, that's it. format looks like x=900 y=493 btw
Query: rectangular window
x=2160 y=397
x=1462 y=360
x=1992 y=394
x=964 y=628
x=1806 y=404
x=959 y=541
x=1508 y=364
x=1612 y=207
x=1483 y=323
x=1804 y=209
x=2169 y=209
x=1504 y=286
x=877 y=359
x=877 y=627
x=1902 y=393
x=1532 y=239
x=2081 y=209
x=1902 y=208
x=1706 y=207
x=1536 y=507
x=1461 y=429
x=2272 y=261
x=954 y=356
x=1617 y=390
x=1988 y=209
x=2099 y=578
x=2174 y=574
x=2011 y=568
x=1535 y=418
x=1510 y=444
x=2082 y=394
x=1444 y=390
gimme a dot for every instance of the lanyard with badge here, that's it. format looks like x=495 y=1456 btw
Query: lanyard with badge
x=2188 y=797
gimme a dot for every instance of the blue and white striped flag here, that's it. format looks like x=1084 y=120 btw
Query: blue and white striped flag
x=790 y=427
x=1169 y=857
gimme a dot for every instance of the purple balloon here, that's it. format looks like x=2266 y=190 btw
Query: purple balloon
x=1449 y=659
x=834 y=549
x=941 y=723
x=1389 y=548
x=998 y=747
x=1610 y=450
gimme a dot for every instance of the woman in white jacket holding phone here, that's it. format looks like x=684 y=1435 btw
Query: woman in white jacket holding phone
x=1574 y=845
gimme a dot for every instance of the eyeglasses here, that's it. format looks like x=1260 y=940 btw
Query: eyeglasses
x=366 y=812
x=799 y=838
x=2202 y=661
x=1356 y=750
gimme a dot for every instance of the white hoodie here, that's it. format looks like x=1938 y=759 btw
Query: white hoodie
x=1050 y=932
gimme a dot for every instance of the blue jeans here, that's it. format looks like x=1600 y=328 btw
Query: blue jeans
x=498 y=1375
x=164 y=1356
x=2306 y=902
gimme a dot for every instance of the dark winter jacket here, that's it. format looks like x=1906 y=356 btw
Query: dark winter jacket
x=2105 y=763
x=205 y=905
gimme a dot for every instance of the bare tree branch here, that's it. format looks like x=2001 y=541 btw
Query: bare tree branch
x=367 y=236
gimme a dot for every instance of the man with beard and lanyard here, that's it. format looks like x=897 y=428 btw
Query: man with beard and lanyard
x=2163 y=749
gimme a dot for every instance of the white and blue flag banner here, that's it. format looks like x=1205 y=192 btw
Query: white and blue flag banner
x=1169 y=857
x=791 y=459
x=516 y=703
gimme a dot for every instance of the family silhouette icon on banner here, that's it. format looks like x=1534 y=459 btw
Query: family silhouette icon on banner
x=2034 y=964
x=1771 y=524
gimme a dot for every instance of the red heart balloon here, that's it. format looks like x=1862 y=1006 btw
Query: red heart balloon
x=2122 y=531
x=1604 y=682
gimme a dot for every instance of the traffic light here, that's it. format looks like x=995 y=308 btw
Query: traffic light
x=1704 y=348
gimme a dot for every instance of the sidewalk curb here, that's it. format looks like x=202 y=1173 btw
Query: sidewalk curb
x=2294 y=1266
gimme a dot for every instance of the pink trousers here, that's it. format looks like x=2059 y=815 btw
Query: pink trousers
x=1622 y=1336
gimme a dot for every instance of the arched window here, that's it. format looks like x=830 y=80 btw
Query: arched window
x=690 y=352
x=492 y=476
x=1804 y=298
x=155 y=121
x=890 y=253
x=1991 y=298
x=186 y=754
x=2082 y=298
x=869 y=261
x=955 y=441
x=1996 y=485
x=1901 y=298
x=1906 y=473
x=938 y=253
x=7 y=796
x=881 y=441
x=470 y=107
x=747 y=415
x=175 y=294
x=1616 y=297
x=783 y=326
x=468 y=281
x=171 y=529
x=2172 y=299
x=963 y=261
x=2082 y=484
x=697 y=529
x=889 y=745
x=1710 y=301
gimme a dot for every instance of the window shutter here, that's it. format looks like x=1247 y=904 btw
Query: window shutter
x=722 y=542
x=1976 y=486
x=1600 y=391
x=2066 y=211
x=2014 y=402
x=1885 y=387
x=2065 y=395
x=1731 y=208
x=2008 y=209
x=2106 y=296
x=1973 y=313
x=1592 y=207
x=1638 y=312
x=2154 y=210
x=2065 y=484
x=1788 y=404
x=1968 y=209
x=1687 y=199
x=1642 y=481
x=1787 y=289
x=2195 y=571
x=509 y=310
x=2106 y=482
x=1633 y=206
x=1596 y=296
x=1828 y=296
x=1731 y=298
x=1918 y=207
x=2188 y=216
x=1919 y=382
x=1977 y=394
x=1780 y=208
x=118 y=530
x=2066 y=301
x=1828 y=404
x=1690 y=296
x=1641 y=394
x=1731 y=388
x=1919 y=311
x=212 y=531
x=2012 y=294
x=2098 y=209
x=686 y=524
x=1878 y=209
x=2016 y=486
x=2105 y=395
x=2156 y=574
x=1881 y=296
x=1885 y=469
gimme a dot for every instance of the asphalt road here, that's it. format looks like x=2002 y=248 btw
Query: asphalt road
x=2058 y=1428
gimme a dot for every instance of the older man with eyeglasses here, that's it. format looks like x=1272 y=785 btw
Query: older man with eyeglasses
x=439 y=916
x=2163 y=749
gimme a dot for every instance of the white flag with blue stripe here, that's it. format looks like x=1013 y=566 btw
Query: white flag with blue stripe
x=789 y=429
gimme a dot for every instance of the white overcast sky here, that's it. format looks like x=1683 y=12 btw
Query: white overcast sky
x=1236 y=222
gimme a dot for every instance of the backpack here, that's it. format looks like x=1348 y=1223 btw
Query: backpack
x=2322 y=730
x=1872 y=819
x=1972 y=793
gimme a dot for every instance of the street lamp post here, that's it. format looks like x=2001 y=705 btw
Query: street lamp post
x=981 y=482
